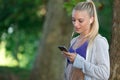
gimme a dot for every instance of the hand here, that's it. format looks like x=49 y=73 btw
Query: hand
x=70 y=56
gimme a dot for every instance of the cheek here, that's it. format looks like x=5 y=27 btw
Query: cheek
x=86 y=25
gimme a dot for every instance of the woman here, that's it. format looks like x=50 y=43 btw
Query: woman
x=88 y=56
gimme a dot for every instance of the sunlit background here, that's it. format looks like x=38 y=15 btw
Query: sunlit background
x=20 y=37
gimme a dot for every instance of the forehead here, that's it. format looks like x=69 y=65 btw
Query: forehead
x=80 y=14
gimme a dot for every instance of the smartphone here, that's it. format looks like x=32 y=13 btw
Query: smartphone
x=63 y=48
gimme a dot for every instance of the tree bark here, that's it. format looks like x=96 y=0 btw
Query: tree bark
x=49 y=63
x=115 y=43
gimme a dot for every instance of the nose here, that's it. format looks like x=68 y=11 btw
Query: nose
x=76 y=24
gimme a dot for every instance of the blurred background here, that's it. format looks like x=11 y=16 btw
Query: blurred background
x=31 y=30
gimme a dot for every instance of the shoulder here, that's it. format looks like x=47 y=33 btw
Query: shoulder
x=101 y=41
x=100 y=38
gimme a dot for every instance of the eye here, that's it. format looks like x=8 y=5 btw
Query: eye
x=80 y=20
x=73 y=20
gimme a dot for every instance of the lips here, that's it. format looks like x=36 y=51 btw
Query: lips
x=77 y=29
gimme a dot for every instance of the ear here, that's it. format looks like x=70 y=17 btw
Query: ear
x=91 y=20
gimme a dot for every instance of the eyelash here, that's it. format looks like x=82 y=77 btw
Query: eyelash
x=78 y=20
x=73 y=20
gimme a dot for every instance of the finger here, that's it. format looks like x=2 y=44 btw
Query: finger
x=66 y=53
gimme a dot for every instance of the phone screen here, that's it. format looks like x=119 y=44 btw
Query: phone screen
x=63 y=48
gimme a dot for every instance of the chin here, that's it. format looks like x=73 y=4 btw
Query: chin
x=78 y=32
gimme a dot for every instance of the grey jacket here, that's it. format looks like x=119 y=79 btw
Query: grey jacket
x=97 y=63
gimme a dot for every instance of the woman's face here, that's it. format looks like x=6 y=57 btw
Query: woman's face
x=81 y=21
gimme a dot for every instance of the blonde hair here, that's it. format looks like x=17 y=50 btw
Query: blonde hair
x=89 y=6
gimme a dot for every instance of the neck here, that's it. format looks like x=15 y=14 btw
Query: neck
x=84 y=34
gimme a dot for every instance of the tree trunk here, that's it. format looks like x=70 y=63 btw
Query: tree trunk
x=115 y=43
x=49 y=63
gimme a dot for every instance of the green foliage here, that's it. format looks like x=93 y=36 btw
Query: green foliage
x=20 y=29
x=69 y=5
x=22 y=47
x=105 y=18
x=20 y=12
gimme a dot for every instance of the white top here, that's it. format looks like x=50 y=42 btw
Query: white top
x=97 y=63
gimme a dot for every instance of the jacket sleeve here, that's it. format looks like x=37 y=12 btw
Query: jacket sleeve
x=100 y=68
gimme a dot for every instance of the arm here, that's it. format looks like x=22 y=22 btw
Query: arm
x=100 y=69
